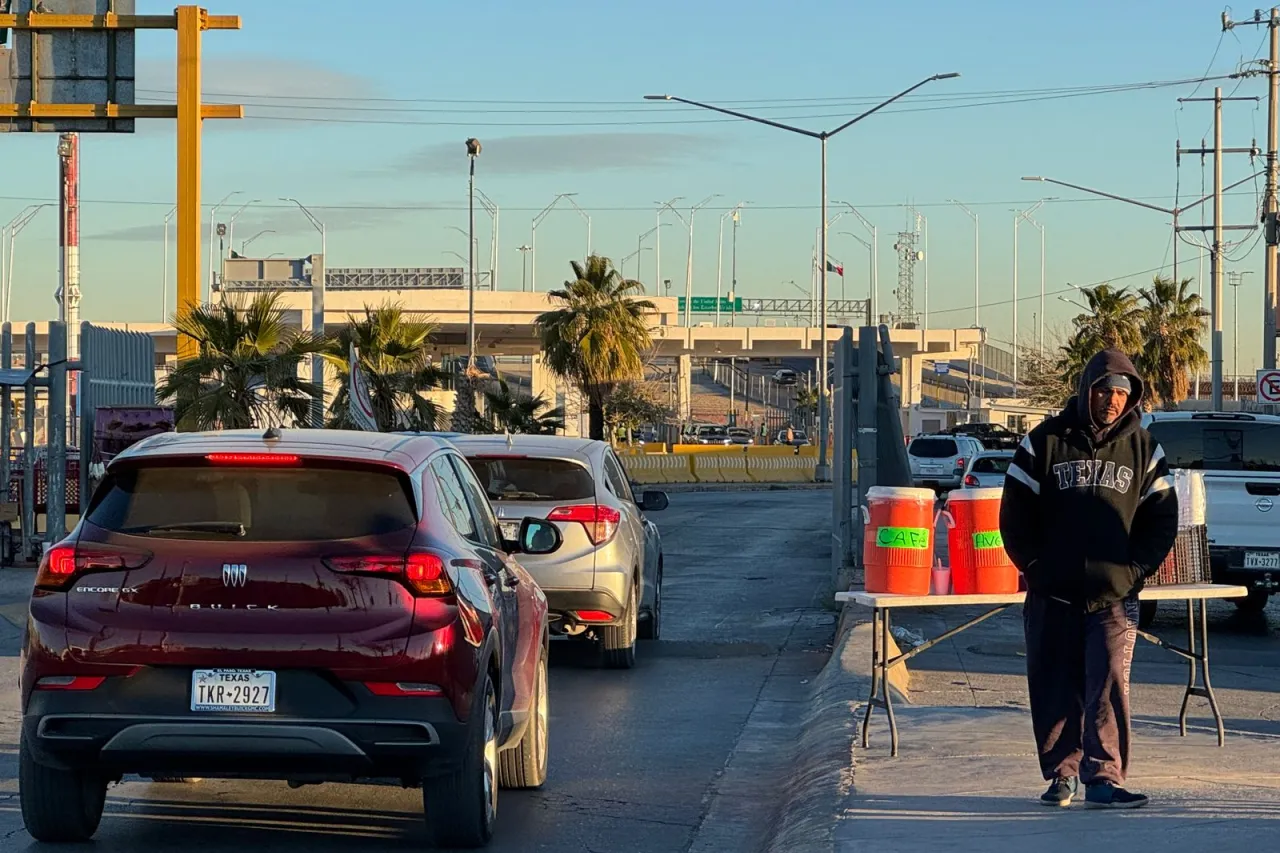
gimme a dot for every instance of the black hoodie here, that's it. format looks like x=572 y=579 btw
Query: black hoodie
x=1089 y=513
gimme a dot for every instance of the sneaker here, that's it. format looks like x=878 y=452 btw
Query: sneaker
x=1061 y=791
x=1104 y=795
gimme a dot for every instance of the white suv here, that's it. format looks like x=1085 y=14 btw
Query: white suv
x=938 y=461
x=1239 y=453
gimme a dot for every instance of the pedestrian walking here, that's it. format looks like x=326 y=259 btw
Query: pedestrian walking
x=1089 y=513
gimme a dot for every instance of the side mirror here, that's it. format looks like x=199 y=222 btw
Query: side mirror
x=654 y=501
x=538 y=536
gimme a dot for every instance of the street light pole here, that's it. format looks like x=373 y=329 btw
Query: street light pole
x=1018 y=216
x=874 y=284
x=164 y=268
x=585 y=216
x=977 y=290
x=473 y=151
x=524 y=267
x=533 y=238
x=822 y=473
x=13 y=229
x=316 y=224
x=720 y=254
x=657 y=239
x=491 y=208
x=213 y=216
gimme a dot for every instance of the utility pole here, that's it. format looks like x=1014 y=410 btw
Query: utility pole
x=1270 y=203
x=1218 y=227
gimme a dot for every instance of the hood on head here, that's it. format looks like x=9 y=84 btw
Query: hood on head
x=1108 y=362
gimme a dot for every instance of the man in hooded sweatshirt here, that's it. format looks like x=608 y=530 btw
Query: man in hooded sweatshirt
x=1089 y=513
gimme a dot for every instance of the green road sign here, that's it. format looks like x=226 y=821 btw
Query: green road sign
x=707 y=304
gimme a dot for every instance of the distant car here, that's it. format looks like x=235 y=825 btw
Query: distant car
x=741 y=436
x=301 y=605
x=1239 y=454
x=605 y=583
x=987 y=469
x=939 y=461
x=784 y=376
x=711 y=435
x=992 y=436
x=799 y=438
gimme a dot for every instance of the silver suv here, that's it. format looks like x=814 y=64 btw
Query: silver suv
x=605 y=581
x=938 y=461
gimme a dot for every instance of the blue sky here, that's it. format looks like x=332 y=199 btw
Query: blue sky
x=554 y=90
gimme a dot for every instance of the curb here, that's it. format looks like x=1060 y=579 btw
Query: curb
x=823 y=771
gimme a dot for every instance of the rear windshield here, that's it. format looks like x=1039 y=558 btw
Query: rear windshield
x=714 y=430
x=254 y=504
x=934 y=448
x=1219 y=446
x=529 y=478
x=991 y=464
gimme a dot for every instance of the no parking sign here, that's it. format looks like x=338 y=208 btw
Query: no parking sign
x=1269 y=386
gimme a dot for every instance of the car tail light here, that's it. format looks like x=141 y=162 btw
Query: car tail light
x=70 y=682
x=403 y=688
x=970 y=480
x=422 y=572
x=593 y=615
x=960 y=460
x=254 y=460
x=62 y=564
x=601 y=522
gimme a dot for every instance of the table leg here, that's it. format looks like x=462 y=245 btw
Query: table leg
x=884 y=684
x=877 y=673
x=1204 y=667
x=1193 y=658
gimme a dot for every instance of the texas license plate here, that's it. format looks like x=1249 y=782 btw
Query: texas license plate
x=510 y=530
x=932 y=469
x=1262 y=560
x=233 y=690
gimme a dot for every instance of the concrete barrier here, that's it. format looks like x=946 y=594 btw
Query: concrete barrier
x=695 y=464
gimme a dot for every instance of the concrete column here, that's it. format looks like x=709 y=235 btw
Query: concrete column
x=317 y=327
x=542 y=382
x=684 y=389
x=912 y=372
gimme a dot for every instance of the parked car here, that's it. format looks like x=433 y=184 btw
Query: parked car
x=784 y=376
x=939 y=461
x=741 y=436
x=303 y=605
x=1239 y=454
x=986 y=470
x=605 y=583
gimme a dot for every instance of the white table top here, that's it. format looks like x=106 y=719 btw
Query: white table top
x=1170 y=592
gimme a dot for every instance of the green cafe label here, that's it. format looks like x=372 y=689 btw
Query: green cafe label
x=913 y=538
x=986 y=539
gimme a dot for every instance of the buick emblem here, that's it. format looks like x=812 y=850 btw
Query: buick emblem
x=234 y=574
x=1264 y=504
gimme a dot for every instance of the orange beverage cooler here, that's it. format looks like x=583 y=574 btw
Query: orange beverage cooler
x=979 y=563
x=897 y=540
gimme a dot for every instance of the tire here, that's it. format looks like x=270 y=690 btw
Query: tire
x=525 y=764
x=59 y=805
x=620 y=640
x=1147 y=614
x=462 y=806
x=651 y=628
x=1254 y=602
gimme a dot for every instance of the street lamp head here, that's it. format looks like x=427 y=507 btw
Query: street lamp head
x=1032 y=178
x=473 y=147
x=949 y=76
x=657 y=97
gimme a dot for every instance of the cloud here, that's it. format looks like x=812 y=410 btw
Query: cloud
x=562 y=153
x=300 y=91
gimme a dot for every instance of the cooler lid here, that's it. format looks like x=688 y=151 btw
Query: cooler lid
x=900 y=493
x=993 y=493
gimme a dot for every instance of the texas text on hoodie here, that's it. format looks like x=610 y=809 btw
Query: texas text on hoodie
x=1089 y=513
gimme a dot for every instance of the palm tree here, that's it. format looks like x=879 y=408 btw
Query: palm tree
x=1114 y=320
x=395 y=357
x=1172 y=327
x=519 y=413
x=599 y=335
x=245 y=372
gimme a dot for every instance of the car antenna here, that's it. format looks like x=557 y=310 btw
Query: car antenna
x=272 y=434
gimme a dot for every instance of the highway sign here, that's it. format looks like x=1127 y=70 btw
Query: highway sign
x=1269 y=386
x=942 y=368
x=707 y=304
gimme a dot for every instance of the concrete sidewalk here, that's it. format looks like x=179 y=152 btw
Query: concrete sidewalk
x=966 y=780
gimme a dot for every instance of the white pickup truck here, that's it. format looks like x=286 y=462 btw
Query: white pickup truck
x=1239 y=453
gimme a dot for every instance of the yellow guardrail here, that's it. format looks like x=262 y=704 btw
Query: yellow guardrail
x=703 y=464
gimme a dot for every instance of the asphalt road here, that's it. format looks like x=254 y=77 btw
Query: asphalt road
x=685 y=752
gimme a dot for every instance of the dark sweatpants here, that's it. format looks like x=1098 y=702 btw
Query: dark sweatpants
x=1078 y=678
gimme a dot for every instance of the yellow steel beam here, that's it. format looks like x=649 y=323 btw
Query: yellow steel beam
x=107 y=111
x=191 y=20
x=51 y=21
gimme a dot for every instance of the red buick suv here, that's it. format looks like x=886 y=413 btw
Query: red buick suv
x=303 y=605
